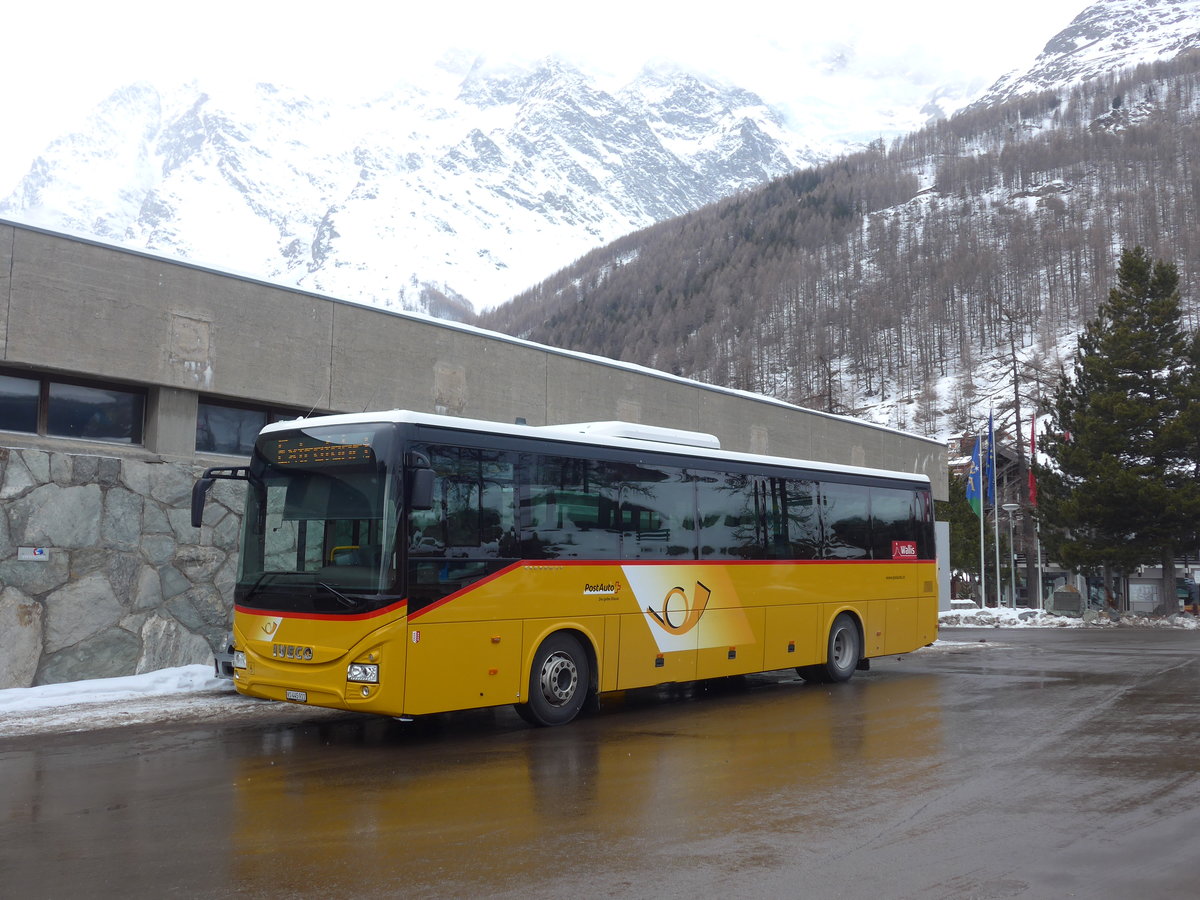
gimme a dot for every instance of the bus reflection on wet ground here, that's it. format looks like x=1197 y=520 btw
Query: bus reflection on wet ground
x=462 y=811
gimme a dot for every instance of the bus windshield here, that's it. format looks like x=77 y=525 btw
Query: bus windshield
x=320 y=524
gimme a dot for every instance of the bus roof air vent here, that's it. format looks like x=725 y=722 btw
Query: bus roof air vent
x=638 y=432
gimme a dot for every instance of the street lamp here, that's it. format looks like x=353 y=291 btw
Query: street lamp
x=1011 y=509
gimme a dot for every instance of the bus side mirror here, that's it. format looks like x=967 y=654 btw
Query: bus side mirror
x=421 y=492
x=200 y=488
x=199 y=494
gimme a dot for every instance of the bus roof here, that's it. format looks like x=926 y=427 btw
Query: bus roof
x=624 y=435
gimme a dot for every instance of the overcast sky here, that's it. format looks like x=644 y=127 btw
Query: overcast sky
x=58 y=59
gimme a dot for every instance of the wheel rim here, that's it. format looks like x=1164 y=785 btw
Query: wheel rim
x=560 y=677
x=842 y=648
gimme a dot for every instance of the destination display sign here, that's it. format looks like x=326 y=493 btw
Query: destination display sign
x=299 y=450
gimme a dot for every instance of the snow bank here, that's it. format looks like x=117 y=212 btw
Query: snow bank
x=184 y=679
x=1005 y=617
x=168 y=694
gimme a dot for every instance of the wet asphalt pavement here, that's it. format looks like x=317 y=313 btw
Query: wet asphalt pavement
x=1043 y=764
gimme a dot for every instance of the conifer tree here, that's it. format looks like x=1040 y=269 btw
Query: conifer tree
x=1123 y=489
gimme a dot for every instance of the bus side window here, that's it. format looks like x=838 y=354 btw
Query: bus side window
x=657 y=512
x=893 y=518
x=845 y=521
x=427 y=527
x=798 y=534
x=473 y=505
x=926 y=545
x=562 y=513
x=730 y=514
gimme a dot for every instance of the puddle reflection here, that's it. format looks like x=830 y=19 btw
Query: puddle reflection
x=473 y=803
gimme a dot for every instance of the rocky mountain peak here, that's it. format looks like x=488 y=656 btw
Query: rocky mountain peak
x=1107 y=36
x=471 y=190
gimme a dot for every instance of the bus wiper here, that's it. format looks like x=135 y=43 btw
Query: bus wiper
x=348 y=601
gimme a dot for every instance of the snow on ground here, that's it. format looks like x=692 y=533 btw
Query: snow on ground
x=1005 y=617
x=193 y=694
x=186 y=693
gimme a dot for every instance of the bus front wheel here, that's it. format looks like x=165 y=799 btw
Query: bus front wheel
x=843 y=653
x=558 y=682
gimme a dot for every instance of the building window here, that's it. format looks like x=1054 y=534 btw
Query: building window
x=231 y=429
x=98 y=414
x=46 y=406
x=19 y=404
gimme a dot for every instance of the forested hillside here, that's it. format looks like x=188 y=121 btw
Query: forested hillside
x=896 y=273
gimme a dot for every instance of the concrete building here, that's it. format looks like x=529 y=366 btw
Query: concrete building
x=123 y=374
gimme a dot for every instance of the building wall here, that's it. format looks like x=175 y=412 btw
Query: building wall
x=113 y=579
x=125 y=584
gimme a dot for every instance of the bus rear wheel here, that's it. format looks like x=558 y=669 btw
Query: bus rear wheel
x=843 y=653
x=558 y=682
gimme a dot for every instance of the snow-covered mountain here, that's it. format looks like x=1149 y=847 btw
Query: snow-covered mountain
x=1108 y=36
x=482 y=181
x=458 y=193
x=962 y=270
x=1106 y=39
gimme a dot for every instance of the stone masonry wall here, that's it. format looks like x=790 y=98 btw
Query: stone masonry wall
x=125 y=585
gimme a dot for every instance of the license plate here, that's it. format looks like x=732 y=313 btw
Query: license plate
x=298 y=696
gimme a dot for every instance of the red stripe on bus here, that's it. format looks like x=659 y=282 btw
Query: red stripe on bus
x=437 y=604
x=561 y=564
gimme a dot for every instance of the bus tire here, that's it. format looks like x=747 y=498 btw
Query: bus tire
x=843 y=652
x=559 y=681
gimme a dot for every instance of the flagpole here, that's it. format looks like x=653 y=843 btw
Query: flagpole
x=976 y=496
x=996 y=543
x=1038 y=531
x=1037 y=526
x=995 y=506
x=982 y=549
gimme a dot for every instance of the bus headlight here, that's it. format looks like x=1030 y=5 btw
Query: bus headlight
x=239 y=659
x=366 y=673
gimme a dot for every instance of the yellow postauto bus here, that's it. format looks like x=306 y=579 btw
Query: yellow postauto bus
x=403 y=564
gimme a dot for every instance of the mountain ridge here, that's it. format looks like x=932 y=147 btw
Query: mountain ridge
x=1106 y=37
x=904 y=284
x=376 y=202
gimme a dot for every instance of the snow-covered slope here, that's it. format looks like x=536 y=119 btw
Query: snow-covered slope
x=976 y=231
x=1107 y=36
x=460 y=192
x=483 y=181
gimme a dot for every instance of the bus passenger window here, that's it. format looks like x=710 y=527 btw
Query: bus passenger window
x=796 y=517
x=563 y=514
x=846 y=521
x=657 y=511
x=892 y=519
x=730 y=515
x=926 y=548
x=472 y=513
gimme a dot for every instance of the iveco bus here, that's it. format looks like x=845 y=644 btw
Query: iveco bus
x=402 y=563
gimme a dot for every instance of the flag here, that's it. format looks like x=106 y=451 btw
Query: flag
x=1032 y=459
x=988 y=462
x=974 y=489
